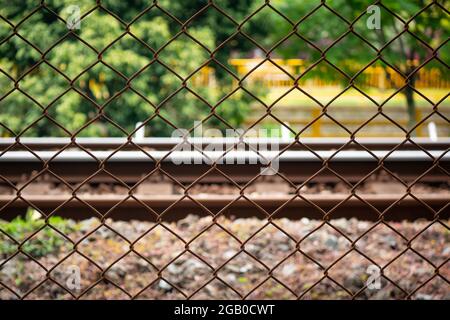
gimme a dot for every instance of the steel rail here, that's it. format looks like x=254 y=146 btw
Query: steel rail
x=45 y=143
x=230 y=157
x=126 y=207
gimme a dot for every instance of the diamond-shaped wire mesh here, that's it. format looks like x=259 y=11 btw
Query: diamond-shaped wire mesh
x=213 y=256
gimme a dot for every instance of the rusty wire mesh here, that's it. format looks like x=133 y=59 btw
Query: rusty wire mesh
x=270 y=217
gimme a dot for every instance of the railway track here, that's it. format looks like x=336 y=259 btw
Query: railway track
x=170 y=143
x=299 y=166
x=52 y=163
x=174 y=207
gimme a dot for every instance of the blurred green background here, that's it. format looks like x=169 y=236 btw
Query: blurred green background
x=129 y=85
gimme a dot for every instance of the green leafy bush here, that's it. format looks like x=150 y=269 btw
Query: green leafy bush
x=128 y=83
x=46 y=241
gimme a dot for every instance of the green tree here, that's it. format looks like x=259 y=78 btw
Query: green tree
x=116 y=80
x=312 y=31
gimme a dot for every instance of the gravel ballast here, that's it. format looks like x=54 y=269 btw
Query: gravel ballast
x=285 y=259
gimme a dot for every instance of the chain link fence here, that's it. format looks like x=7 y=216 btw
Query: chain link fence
x=152 y=79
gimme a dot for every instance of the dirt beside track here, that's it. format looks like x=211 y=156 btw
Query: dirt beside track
x=170 y=260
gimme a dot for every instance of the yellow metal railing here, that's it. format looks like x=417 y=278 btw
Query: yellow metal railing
x=325 y=127
x=272 y=76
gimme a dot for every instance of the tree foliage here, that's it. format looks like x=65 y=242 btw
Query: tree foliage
x=411 y=35
x=129 y=62
x=116 y=79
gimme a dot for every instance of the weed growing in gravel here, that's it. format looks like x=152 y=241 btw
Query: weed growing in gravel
x=46 y=241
